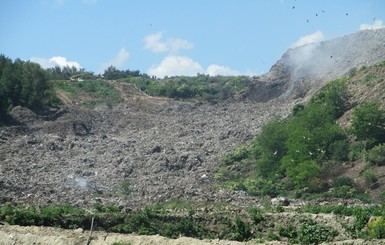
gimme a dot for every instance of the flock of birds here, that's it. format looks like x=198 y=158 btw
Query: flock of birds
x=323 y=11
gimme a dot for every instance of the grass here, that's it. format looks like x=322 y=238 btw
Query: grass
x=91 y=93
x=205 y=221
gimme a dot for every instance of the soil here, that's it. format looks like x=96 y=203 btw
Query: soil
x=19 y=235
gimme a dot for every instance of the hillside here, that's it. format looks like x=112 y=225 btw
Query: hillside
x=137 y=150
x=303 y=70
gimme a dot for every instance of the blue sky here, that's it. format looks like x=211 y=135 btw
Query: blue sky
x=175 y=37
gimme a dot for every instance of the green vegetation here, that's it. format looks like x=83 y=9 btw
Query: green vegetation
x=69 y=73
x=121 y=243
x=25 y=84
x=182 y=218
x=297 y=147
x=368 y=123
x=315 y=233
x=94 y=92
x=201 y=87
x=376 y=155
x=304 y=153
x=111 y=73
x=123 y=188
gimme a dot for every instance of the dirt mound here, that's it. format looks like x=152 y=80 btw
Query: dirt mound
x=23 y=115
x=164 y=148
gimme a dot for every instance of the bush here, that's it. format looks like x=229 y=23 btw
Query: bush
x=339 y=150
x=238 y=154
x=256 y=215
x=368 y=122
x=316 y=233
x=263 y=187
x=121 y=243
x=240 y=231
x=376 y=228
x=124 y=188
x=356 y=150
x=376 y=156
x=369 y=176
x=362 y=217
x=343 y=191
x=288 y=231
x=303 y=173
x=330 y=169
x=381 y=196
x=343 y=181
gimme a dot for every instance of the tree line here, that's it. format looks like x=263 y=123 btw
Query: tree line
x=23 y=83
x=27 y=84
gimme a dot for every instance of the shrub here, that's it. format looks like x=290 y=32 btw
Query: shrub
x=376 y=156
x=362 y=217
x=240 y=230
x=121 y=243
x=343 y=181
x=356 y=151
x=288 y=231
x=238 y=154
x=381 y=196
x=343 y=191
x=124 y=188
x=315 y=234
x=256 y=215
x=263 y=187
x=368 y=122
x=376 y=228
x=369 y=176
x=330 y=169
x=303 y=173
x=339 y=150
x=335 y=94
x=352 y=72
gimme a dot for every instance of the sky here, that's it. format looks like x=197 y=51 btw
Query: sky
x=175 y=37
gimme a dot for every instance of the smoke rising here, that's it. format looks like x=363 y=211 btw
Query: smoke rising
x=311 y=65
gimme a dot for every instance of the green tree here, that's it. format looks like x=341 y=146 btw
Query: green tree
x=368 y=123
x=23 y=83
x=270 y=146
x=335 y=94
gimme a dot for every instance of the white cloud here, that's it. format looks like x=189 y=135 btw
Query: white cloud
x=117 y=61
x=173 y=65
x=311 y=38
x=155 y=43
x=176 y=66
x=175 y=45
x=214 y=70
x=55 y=61
x=377 y=24
x=152 y=42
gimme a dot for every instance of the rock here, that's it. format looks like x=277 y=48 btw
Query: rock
x=24 y=115
x=81 y=128
x=280 y=201
x=156 y=149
